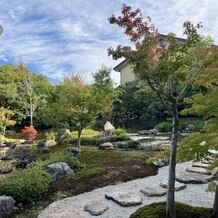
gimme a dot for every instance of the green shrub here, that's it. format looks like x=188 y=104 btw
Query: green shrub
x=63 y=156
x=133 y=144
x=86 y=133
x=96 y=141
x=26 y=185
x=164 y=127
x=167 y=126
x=120 y=132
x=51 y=135
x=157 y=210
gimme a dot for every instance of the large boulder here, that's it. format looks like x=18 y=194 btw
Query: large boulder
x=74 y=151
x=106 y=146
x=108 y=129
x=59 y=170
x=6 y=204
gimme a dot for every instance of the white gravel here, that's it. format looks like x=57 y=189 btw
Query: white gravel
x=194 y=194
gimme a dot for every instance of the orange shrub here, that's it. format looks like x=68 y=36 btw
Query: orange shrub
x=29 y=132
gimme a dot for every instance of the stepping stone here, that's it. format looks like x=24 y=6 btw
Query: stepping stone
x=198 y=170
x=125 y=199
x=194 y=178
x=206 y=162
x=65 y=214
x=153 y=191
x=202 y=165
x=178 y=186
x=96 y=208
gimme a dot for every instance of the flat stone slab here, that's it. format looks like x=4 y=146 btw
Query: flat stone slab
x=125 y=199
x=198 y=170
x=178 y=186
x=96 y=208
x=194 y=178
x=207 y=162
x=153 y=191
x=201 y=165
x=65 y=214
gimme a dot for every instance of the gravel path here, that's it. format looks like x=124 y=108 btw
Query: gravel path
x=194 y=194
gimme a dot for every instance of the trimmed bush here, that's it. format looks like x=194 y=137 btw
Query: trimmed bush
x=26 y=185
x=96 y=141
x=86 y=133
x=120 y=132
x=63 y=156
x=158 y=210
x=167 y=126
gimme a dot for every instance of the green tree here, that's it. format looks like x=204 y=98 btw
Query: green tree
x=166 y=68
x=30 y=91
x=103 y=85
x=6 y=120
x=135 y=105
x=197 y=145
x=79 y=103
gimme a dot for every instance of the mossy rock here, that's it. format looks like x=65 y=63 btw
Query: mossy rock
x=158 y=210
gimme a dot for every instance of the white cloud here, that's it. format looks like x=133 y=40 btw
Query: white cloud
x=73 y=36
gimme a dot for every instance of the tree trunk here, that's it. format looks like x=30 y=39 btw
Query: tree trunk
x=79 y=139
x=170 y=206
x=215 y=205
x=31 y=112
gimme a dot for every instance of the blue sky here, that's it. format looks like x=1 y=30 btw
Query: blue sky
x=57 y=38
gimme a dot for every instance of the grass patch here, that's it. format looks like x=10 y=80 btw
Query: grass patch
x=157 y=210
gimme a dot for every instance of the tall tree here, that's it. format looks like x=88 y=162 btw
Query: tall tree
x=166 y=68
x=198 y=145
x=27 y=94
x=103 y=85
x=79 y=103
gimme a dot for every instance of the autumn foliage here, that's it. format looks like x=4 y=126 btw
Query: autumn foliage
x=29 y=132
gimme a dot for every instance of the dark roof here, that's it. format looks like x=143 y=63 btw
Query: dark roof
x=125 y=62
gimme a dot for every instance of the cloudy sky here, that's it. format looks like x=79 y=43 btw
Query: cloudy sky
x=57 y=38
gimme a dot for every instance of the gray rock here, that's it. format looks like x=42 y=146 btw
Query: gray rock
x=65 y=133
x=153 y=191
x=206 y=162
x=6 y=204
x=202 y=165
x=194 y=178
x=74 y=151
x=42 y=148
x=65 y=214
x=50 y=143
x=178 y=186
x=120 y=144
x=190 y=128
x=106 y=146
x=125 y=199
x=59 y=170
x=10 y=132
x=148 y=132
x=7 y=157
x=5 y=170
x=198 y=170
x=21 y=164
x=159 y=163
x=96 y=208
